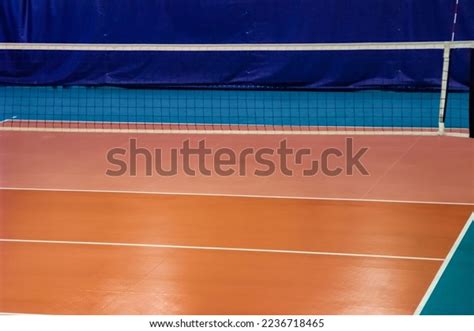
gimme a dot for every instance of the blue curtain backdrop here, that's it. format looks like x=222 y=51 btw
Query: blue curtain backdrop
x=233 y=21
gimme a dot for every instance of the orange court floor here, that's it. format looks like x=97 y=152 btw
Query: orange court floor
x=76 y=241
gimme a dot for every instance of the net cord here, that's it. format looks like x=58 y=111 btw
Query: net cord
x=239 y=47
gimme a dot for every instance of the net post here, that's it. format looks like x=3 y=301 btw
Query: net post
x=471 y=95
x=444 y=89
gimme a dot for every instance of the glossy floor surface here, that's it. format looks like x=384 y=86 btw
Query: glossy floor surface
x=76 y=241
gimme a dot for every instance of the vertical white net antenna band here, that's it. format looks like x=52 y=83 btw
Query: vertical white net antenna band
x=444 y=89
x=445 y=76
x=455 y=19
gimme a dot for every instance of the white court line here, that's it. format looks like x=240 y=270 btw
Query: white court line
x=232 y=132
x=342 y=130
x=24 y=314
x=443 y=267
x=218 y=248
x=230 y=195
